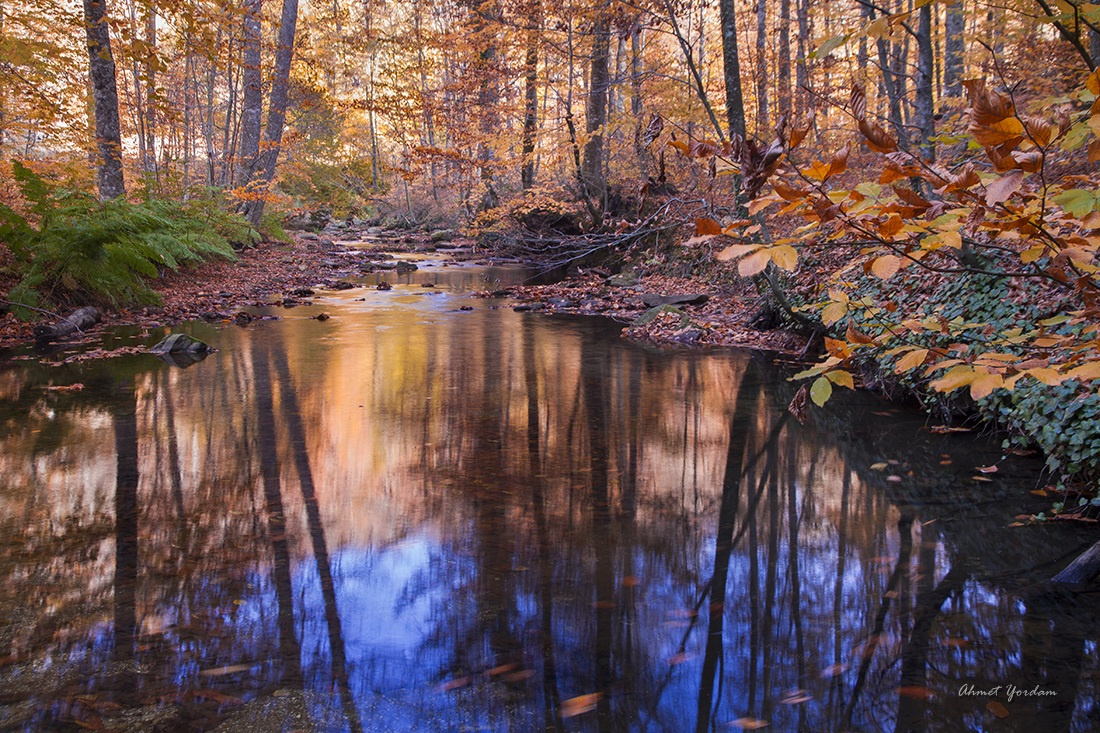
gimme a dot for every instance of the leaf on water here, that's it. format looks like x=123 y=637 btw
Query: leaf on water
x=987 y=469
x=833 y=670
x=747 y=723
x=916 y=692
x=944 y=429
x=880 y=466
x=520 y=676
x=580 y=704
x=453 y=684
x=796 y=697
x=894 y=478
x=997 y=709
x=501 y=669
x=229 y=669
x=982 y=479
x=630 y=581
x=680 y=658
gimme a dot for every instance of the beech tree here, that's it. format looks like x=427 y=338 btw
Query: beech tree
x=108 y=133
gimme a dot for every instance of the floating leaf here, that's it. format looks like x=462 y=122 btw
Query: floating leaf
x=997 y=709
x=580 y=704
x=749 y=723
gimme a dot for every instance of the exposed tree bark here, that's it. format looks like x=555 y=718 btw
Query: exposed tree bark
x=592 y=170
x=530 y=95
x=925 y=107
x=276 y=113
x=252 y=99
x=731 y=69
x=105 y=94
x=761 y=67
x=953 y=48
x=76 y=321
x=802 y=71
x=1084 y=569
x=783 y=76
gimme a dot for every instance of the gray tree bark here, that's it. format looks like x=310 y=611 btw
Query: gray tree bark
x=731 y=67
x=783 y=77
x=108 y=135
x=592 y=170
x=276 y=112
x=252 y=99
x=530 y=96
x=953 y=47
x=924 y=86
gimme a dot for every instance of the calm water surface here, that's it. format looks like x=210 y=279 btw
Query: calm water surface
x=414 y=517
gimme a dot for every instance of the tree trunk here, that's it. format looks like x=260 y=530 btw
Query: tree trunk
x=802 y=71
x=731 y=69
x=105 y=94
x=592 y=171
x=925 y=97
x=252 y=101
x=276 y=112
x=530 y=97
x=953 y=48
x=1084 y=569
x=783 y=77
x=636 y=108
x=761 y=67
x=76 y=321
x=150 y=162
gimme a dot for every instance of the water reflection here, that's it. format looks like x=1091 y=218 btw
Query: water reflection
x=414 y=517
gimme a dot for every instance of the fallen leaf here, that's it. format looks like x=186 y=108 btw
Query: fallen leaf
x=580 y=704
x=997 y=709
x=748 y=723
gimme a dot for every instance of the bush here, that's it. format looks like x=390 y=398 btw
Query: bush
x=70 y=249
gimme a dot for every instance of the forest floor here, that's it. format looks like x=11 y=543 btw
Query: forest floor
x=218 y=290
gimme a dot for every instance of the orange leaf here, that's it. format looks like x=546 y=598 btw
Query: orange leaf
x=580 y=704
x=912 y=360
x=877 y=139
x=735 y=250
x=997 y=709
x=707 y=226
x=754 y=264
x=855 y=336
x=839 y=163
x=886 y=267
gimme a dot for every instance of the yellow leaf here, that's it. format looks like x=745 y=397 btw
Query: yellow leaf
x=1031 y=255
x=736 y=250
x=984 y=383
x=912 y=360
x=697 y=240
x=953 y=240
x=886 y=267
x=821 y=391
x=1046 y=375
x=957 y=376
x=841 y=378
x=833 y=313
x=785 y=256
x=1093 y=82
x=1086 y=372
x=754 y=264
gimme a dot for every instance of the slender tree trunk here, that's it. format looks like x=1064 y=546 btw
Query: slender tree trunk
x=761 y=67
x=276 y=113
x=596 y=114
x=953 y=48
x=636 y=107
x=531 y=96
x=151 y=92
x=252 y=102
x=783 y=77
x=429 y=121
x=802 y=71
x=105 y=94
x=731 y=67
x=925 y=93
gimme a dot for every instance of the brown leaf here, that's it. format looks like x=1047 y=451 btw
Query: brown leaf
x=877 y=138
x=855 y=336
x=797 y=407
x=911 y=197
x=748 y=723
x=997 y=709
x=1000 y=190
x=839 y=163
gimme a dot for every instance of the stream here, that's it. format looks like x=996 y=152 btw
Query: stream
x=432 y=513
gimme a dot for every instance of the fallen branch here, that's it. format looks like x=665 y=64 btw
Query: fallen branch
x=1084 y=569
x=76 y=322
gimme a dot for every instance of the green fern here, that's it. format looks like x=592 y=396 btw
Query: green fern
x=73 y=249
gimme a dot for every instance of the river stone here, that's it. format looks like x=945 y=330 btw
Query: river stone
x=652 y=300
x=403 y=266
x=374 y=231
x=442 y=235
x=181 y=343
